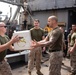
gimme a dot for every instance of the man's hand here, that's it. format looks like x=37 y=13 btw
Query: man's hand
x=15 y=39
x=34 y=44
x=71 y=50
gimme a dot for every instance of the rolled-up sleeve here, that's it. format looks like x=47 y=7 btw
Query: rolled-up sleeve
x=54 y=36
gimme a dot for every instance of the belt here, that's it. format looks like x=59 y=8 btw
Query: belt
x=54 y=50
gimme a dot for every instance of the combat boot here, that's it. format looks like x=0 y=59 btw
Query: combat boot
x=29 y=73
x=39 y=72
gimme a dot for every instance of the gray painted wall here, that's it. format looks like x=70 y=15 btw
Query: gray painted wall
x=43 y=16
x=63 y=16
x=36 y=5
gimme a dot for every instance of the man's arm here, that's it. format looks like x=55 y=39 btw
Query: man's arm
x=8 y=44
x=40 y=43
x=47 y=41
x=44 y=40
x=69 y=40
x=73 y=48
x=11 y=48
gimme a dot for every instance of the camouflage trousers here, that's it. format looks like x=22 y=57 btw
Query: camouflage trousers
x=5 y=68
x=55 y=63
x=73 y=62
x=35 y=57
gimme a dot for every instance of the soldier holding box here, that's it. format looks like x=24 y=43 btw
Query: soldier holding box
x=4 y=45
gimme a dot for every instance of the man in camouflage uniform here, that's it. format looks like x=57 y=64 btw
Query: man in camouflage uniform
x=73 y=51
x=37 y=34
x=4 y=45
x=69 y=39
x=55 y=43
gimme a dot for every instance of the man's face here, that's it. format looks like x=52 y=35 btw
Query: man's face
x=36 y=24
x=73 y=27
x=3 y=28
x=50 y=22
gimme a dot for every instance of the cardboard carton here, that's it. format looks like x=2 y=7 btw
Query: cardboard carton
x=25 y=40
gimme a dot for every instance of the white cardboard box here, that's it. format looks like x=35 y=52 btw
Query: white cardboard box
x=25 y=40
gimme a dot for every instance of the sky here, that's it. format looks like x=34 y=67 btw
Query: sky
x=5 y=8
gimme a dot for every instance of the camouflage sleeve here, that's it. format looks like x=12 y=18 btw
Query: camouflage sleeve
x=75 y=39
x=69 y=37
x=75 y=36
x=55 y=35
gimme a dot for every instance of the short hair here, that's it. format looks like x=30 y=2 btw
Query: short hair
x=54 y=18
x=73 y=24
x=2 y=23
x=37 y=20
